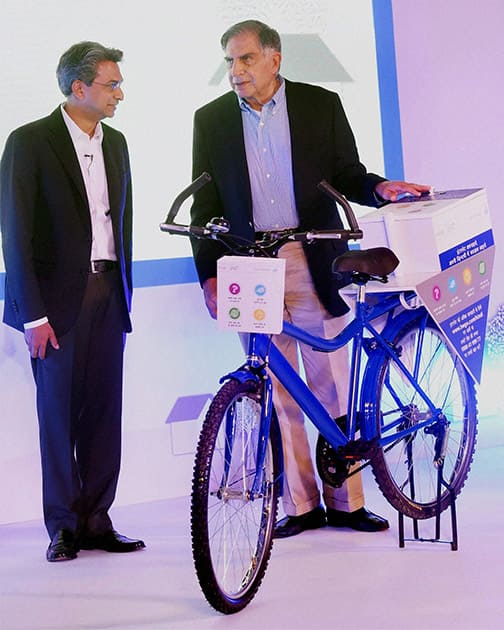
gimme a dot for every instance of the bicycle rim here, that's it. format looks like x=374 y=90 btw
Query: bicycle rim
x=232 y=529
x=410 y=471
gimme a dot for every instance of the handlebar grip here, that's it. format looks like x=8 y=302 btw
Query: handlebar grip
x=173 y=228
x=189 y=230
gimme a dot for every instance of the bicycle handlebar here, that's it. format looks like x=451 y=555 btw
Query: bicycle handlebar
x=355 y=232
x=198 y=183
x=218 y=227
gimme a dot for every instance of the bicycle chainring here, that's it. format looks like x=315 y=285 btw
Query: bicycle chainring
x=332 y=468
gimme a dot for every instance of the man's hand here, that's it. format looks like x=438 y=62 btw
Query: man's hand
x=210 y=293
x=37 y=338
x=392 y=191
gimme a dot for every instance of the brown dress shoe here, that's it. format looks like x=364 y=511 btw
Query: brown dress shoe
x=293 y=525
x=62 y=547
x=362 y=520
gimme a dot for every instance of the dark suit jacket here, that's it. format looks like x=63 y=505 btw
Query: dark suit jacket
x=323 y=147
x=45 y=222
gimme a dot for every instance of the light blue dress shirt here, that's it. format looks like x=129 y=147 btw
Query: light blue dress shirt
x=269 y=160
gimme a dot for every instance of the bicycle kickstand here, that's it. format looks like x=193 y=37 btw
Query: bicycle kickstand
x=453 y=515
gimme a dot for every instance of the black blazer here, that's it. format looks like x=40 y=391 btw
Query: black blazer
x=46 y=226
x=323 y=147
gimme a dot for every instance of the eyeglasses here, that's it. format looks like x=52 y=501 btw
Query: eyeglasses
x=111 y=85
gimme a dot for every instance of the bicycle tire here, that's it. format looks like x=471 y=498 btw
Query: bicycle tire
x=407 y=469
x=232 y=531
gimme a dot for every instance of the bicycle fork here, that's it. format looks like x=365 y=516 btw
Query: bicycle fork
x=255 y=370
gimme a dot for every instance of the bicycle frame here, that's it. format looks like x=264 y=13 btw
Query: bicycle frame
x=262 y=353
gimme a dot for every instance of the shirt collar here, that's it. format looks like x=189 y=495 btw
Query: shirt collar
x=76 y=132
x=278 y=98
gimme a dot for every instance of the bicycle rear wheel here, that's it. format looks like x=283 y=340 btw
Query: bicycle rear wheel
x=231 y=526
x=407 y=468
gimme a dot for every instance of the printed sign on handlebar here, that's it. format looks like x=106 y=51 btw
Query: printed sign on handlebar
x=250 y=294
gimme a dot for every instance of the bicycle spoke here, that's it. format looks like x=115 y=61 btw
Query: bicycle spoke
x=407 y=468
x=232 y=526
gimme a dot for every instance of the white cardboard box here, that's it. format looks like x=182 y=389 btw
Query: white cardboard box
x=424 y=231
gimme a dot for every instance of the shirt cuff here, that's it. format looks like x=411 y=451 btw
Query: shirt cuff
x=35 y=323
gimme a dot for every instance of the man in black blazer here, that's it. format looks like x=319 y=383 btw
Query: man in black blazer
x=66 y=219
x=267 y=144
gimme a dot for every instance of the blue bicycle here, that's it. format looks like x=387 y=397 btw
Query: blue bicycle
x=412 y=417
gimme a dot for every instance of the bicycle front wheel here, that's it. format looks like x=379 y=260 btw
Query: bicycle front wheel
x=232 y=519
x=409 y=469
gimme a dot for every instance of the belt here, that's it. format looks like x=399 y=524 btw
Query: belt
x=102 y=266
x=273 y=235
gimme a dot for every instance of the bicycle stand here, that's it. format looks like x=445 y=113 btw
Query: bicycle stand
x=416 y=536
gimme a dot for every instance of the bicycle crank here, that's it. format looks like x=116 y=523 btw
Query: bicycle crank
x=334 y=465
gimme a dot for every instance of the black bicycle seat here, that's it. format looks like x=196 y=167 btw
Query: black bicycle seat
x=376 y=261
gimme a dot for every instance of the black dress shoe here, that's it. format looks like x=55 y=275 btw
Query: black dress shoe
x=62 y=547
x=293 y=525
x=362 y=520
x=111 y=541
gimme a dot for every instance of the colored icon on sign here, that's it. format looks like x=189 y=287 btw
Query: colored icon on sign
x=436 y=293
x=260 y=289
x=482 y=267
x=259 y=314
x=234 y=313
x=234 y=288
x=467 y=275
x=452 y=284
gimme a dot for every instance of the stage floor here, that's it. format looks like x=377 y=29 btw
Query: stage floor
x=321 y=579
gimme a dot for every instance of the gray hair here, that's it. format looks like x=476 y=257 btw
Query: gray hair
x=267 y=36
x=80 y=62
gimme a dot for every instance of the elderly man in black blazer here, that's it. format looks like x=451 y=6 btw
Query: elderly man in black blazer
x=66 y=218
x=267 y=144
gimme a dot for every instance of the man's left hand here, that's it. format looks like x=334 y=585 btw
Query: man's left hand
x=392 y=191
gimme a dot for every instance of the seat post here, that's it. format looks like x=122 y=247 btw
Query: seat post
x=361 y=293
x=355 y=362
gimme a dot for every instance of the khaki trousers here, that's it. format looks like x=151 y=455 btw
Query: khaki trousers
x=327 y=377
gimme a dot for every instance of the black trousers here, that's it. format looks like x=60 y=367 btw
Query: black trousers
x=79 y=405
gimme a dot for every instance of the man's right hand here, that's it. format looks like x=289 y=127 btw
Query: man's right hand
x=37 y=338
x=210 y=293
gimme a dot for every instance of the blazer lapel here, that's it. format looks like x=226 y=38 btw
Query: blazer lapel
x=114 y=176
x=297 y=123
x=232 y=138
x=63 y=146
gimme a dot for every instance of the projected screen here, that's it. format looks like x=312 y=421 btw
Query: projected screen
x=173 y=65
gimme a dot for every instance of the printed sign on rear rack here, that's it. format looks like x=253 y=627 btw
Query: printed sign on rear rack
x=446 y=247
